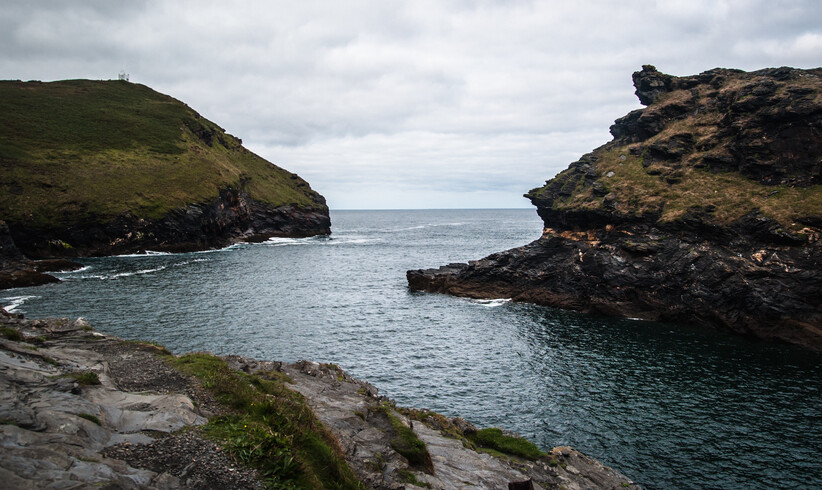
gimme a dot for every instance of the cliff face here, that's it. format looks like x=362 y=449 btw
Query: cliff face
x=706 y=207
x=95 y=168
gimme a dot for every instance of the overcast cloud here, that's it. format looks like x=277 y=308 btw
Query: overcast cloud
x=418 y=104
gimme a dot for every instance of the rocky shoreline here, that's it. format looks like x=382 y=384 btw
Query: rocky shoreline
x=703 y=209
x=17 y=271
x=79 y=409
x=233 y=217
x=153 y=175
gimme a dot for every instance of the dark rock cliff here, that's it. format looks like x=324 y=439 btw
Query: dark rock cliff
x=111 y=167
x=18 y=271
x=705 y=208
x=233 y=217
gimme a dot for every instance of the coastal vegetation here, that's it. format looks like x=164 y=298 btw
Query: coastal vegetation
x=80 y=150
x=742 y=143
x=495 y=439
x=269 y=427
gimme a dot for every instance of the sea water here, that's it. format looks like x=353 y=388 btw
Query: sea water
x=671 y=406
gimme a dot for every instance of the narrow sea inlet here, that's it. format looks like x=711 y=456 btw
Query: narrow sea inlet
x=669 y=406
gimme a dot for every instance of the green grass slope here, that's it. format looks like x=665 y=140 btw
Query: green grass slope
x=80 y=151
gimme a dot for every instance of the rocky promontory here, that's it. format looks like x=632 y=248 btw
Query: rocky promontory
x=96 y=168
x=705 y=208
x=80 y=409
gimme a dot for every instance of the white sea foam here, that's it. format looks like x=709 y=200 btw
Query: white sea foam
x=126 y=274
x=491 y=303
x=15 y=302
x=355 y=241
x=77 y=271
x=148 y=253
x=282 y=241
x=422 y=227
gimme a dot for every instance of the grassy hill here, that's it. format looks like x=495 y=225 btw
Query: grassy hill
x=80 y=151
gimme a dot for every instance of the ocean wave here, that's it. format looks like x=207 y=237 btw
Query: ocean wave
x=491 y=303
x=422 y=227
x=148 y=253
x=283 y=241
x=319 y=240
x=118 y=275
x=355 y=241
x=76 y=271
x=15 y=302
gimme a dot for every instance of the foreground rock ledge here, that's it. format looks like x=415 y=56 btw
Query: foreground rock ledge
x=134 y=429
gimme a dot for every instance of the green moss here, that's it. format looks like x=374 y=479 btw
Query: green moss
x=633 y=192
x=85 y=378
x=11 y=334
x=411 y=478
x=67 y=147
x=270 y=427
x=493 y=438
x=90 y=417
x=149 y=346
x=406 y=442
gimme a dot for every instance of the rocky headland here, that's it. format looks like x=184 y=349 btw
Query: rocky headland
x=80 y=409
x=706 y=207
x=95 y=168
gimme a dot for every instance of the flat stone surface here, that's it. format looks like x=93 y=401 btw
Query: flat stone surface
x=50 y=436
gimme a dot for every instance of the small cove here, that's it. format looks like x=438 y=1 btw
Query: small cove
x=669 y=406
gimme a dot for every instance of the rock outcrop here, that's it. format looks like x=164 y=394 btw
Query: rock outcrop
x=232 y=217
x=705 y=208
x=96 y=168
x=81 y=409
x=18 y=271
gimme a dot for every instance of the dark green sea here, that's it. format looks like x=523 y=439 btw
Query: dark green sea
x=671 y=406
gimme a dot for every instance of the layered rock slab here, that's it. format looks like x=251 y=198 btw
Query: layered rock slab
x=137 y=428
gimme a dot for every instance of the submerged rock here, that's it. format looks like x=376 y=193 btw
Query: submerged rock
x=705 y=208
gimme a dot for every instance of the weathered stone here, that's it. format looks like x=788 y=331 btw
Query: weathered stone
x=614 y=254
x=50 y=436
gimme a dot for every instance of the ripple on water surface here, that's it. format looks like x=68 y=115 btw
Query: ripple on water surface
x=670 y=407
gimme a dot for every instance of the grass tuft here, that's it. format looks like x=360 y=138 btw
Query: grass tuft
x=11 y=334
x=270 y=427
x=85 y=378
x=411 y=478
x=88 y=416
x=406 y=442
x=495 y=439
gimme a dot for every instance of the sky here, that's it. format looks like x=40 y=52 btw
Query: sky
x=383 y=104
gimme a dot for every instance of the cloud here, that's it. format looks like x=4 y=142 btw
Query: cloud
x=440 y=100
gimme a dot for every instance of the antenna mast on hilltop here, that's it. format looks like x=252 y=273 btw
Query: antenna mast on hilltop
x=123 y=76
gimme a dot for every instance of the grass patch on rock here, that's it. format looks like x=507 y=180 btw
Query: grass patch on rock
x=90 y=417
x=269 y=427
x=85 y=378
x=411 y=478
x=497 y=440
x=406 y=442
x=11 y=334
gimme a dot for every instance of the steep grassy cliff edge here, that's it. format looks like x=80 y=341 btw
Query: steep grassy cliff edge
x=706 y=207
x=101 y=167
